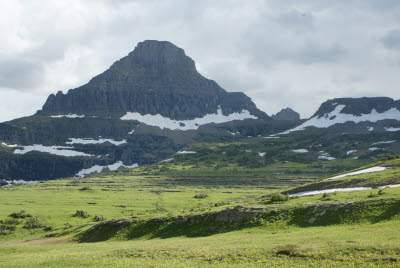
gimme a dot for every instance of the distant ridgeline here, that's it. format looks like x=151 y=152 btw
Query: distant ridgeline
x=356 y=115
x=146 y=107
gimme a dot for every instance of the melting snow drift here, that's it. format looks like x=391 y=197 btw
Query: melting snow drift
x=56 y=150
x=68 y=115
x=336 y=117
x=300 y=151
x=99 y=169
x=308 y=193
x=165 y=122
x=392 y=129
x=367 y=170
x=186 y=152
x=92 y=141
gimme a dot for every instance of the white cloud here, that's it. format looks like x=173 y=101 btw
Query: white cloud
x=281 y=53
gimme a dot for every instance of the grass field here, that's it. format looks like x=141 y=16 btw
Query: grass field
x=362 y=245
x=346 y=229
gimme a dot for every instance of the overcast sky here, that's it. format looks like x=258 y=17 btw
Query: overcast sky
x=281 y=53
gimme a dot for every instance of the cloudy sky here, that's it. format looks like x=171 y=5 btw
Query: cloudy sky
x=280 y=53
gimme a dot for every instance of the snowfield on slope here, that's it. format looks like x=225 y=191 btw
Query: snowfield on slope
x=93 y=141
x=392 y=129
x=165 y=122
x=99 y=169
x=300 y=151
x=56 y=150
x=186 y=152
x=336 y=117
x=363 y=171
x=308 y=193
x=68 y=116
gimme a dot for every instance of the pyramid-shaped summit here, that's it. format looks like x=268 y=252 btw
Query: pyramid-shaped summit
x=155 y=78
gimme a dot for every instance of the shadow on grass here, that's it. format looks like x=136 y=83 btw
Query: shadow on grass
x=372 y=211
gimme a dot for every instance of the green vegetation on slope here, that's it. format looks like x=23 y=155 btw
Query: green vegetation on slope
x=218 y=207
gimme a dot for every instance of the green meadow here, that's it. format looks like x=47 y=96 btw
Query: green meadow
x=215 y=208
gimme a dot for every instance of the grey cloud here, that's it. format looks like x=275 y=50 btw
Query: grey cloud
x=314 y=53
x=280 y=53
x=296 y=20
x=21 y=74
x=392 y=39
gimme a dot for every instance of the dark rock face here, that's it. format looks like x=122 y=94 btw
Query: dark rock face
x=358 y=106
x=287 y=114
x=156 y=78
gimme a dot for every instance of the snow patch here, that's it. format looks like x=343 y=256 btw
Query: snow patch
x=261 y=154
x=374 y=149
x=168 y=160
x=336 y=117
x=92 y=141
x=233 y=133
x=20 y=181
x=351 y=151
x=68 y=115
x=325 y=156
x=165 y=122
x=10 y=145
x=99 y=169
x=392 y=129
x=300 y=151
x=56 y=150
x=363 y=171
x=309 y=193
x=186 y=152
x=370 y=128
x=383 y=142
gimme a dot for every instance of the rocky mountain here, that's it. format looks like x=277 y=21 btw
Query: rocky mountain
x=149 y=105
x=143 y=109
x=287 y=114
x=155 y=78
x=356 y=115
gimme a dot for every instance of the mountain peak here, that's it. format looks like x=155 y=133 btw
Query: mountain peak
x=156 y=78
x=154 y=56
x=287 y=114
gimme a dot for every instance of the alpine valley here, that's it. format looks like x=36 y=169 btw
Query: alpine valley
x=150 y=104
x=150 y=164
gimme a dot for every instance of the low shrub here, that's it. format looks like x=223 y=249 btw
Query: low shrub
x=86 y=188
x=278 y=198
x=290 y=250
x=98 y=218
x=81 y=213
x=48 y=228
x=20 y=215
x=33 y=223
x=221 y=203
x=10 y=222
x=327 y=196
x=200 y=196
x=7 y=228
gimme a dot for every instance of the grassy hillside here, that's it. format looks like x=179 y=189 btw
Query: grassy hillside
x=220 y=206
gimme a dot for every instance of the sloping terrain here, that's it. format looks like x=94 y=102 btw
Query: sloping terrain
x=147 y=216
